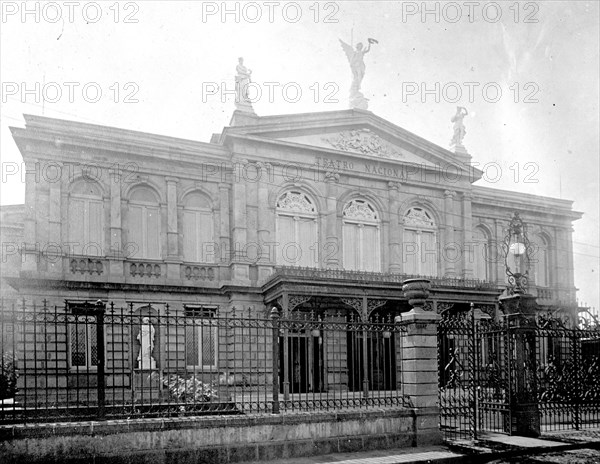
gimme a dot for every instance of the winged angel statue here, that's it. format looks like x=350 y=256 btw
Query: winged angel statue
x=357 y=65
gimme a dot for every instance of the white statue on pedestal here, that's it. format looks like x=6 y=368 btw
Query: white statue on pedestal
x=146 y=339
x=459 y=127
x=357 y=65
x=242 y=81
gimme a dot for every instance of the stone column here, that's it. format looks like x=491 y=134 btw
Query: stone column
x=239 y=267
x=395 y=252
x=266 y=228
x=467 y=248
x=499 y=269
x=54 y=222
x=30 y=255
x=419 y=361
x=449 y=269
x=116 y=250
x=570 y=268
x=173 y=259
x=224 y=237
x=331 y=249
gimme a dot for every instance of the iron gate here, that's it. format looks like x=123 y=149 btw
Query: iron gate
x=474 y=375
x=491 y=371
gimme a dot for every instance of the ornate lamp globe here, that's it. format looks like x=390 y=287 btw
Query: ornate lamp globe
x=516 y=255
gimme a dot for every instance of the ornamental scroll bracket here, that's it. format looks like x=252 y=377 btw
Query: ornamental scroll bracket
x=372 y=305
x=297 y=300
x=444 y=306
x=355 y=303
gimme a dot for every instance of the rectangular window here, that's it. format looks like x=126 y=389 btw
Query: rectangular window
x=201 y=338
x=82 y=335
x=144 y=231
x=198 y=246
x=85 y=226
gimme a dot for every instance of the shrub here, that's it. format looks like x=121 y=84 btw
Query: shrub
x=190 y=389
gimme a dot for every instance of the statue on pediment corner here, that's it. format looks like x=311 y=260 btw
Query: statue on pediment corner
x=459 y=128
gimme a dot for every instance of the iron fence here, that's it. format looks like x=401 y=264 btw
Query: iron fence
x=86 y=360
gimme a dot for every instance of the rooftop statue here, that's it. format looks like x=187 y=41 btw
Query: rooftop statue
x=459 y=127
x=242 y=81
x=357 y=65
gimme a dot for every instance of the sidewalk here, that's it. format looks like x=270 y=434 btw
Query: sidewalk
x=490 y=447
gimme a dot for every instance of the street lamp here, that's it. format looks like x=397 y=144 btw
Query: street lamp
x=516 y=249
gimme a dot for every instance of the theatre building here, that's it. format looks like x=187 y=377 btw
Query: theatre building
x=319 y=215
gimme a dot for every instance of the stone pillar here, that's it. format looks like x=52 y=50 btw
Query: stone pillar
x=30 y=256
x=499 y=269
x=224 y=237
x=331 y=249
x=266 y=227
x=449 y=268
x=523 y=400
x=467 y=225
x=54 y=224
x=395 y=240
x=240 y=269
x=173 y=260
x=116 y=250
x=419 y=362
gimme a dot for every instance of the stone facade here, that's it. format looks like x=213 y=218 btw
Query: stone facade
x=320 y=211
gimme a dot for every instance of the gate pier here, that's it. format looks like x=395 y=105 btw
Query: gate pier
x=520 y=310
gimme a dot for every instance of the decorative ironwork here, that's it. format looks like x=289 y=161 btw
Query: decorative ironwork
x=443 y=306
x=297 y=300
x=516 y=244
x=364 y=277
x=374 y=304
x=355 y=303
x=319 y=361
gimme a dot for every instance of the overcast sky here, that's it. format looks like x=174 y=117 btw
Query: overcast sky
x=157 y=63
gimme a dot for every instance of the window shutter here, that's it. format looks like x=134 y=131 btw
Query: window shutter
x=410 y=252
x=76 y=225
x=205 y=239
x=190 y=252
x=136 y=236
x=286 y=255
x=370 y=245
x=350 y=246
x=428 y=254
x=153 y=233
x=95 y=243
x=307 y=229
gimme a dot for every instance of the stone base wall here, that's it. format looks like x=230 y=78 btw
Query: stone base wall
x=218 y=439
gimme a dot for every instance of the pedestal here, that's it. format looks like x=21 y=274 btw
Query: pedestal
x=147 y=384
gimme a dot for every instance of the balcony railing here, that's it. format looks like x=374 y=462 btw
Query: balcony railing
x=307 y=273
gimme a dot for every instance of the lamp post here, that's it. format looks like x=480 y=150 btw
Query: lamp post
x=516 y=256
x=520 y=307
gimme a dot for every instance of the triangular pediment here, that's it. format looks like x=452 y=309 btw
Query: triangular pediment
x=351 y=132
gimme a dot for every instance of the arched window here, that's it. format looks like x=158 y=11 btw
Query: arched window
x=198 y=229
x=360 y=237
x=144 y=224
x=419 y=247
x=540 y=259
x=86 y=219
x=481 y=251
x=296 y=230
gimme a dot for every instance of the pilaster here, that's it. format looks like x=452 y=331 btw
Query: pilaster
x=449 y=268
